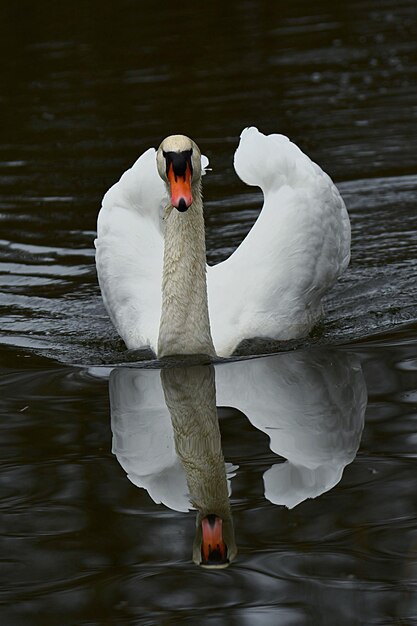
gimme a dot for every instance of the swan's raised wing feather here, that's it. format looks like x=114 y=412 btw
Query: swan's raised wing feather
x=271 y=286
x=129 y=252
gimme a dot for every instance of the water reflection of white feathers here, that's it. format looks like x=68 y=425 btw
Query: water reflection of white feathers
x=166 y=436
x=311 y=404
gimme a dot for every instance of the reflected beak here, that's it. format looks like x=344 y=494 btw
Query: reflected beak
x=213 y=548
x=180 y=188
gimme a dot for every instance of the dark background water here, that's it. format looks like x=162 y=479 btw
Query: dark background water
x=84 y=89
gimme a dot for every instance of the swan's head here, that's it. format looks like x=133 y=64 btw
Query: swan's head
x=214 y=543
x=179 y=165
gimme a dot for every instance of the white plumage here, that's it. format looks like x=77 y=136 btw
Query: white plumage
x=270 y=287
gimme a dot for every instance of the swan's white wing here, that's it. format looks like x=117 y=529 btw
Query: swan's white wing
x=271 y=286
x=129 y=254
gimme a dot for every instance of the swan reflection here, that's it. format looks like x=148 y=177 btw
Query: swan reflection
x=166 y=437
x=166 y=434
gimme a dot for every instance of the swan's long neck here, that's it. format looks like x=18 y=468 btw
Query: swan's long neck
x=185 y=326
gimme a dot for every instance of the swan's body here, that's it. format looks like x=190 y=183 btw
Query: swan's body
x=151 y=269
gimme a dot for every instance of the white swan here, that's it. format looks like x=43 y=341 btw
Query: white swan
x=151 y=258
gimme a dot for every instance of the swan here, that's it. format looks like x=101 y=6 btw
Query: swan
x=151 y=255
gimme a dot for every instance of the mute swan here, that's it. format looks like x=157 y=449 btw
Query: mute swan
x=151 y=256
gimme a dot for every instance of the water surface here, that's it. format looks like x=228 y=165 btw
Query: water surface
x=323 y=509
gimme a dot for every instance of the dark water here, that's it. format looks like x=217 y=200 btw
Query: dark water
x=323 y=499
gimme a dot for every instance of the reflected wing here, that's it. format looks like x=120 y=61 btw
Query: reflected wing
x=143 y=438
x=271 y=286
x=311 y=404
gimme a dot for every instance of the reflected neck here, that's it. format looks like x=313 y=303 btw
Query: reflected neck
x=190 y=395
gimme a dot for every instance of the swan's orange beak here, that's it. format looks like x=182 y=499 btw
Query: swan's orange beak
x=180 y=187
x=213 y=548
